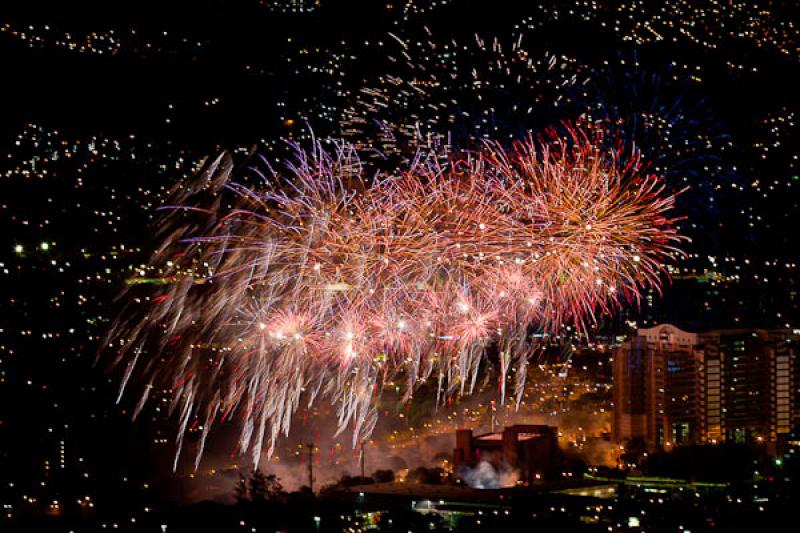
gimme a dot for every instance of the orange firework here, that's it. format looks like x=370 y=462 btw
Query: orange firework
x=327 y=282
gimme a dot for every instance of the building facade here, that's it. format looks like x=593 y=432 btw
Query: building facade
x=673 y=387
x=531 y=449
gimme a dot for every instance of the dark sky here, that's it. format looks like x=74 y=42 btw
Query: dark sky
x=161 y=93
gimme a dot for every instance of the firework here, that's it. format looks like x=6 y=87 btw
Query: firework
x=450 y=93
x=326 y=282
x=435 y=94
x=657 y=109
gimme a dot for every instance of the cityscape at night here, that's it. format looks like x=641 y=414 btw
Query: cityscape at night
x=399 y=266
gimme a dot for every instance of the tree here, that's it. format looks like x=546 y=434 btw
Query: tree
x=352 y=481
x=383 y=476
x=265 y=487
x=240 y=491
x=258 y=486
x=273 y=486
x=428 y=476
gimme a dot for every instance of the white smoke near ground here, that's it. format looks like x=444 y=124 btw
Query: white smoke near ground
x=484 y=475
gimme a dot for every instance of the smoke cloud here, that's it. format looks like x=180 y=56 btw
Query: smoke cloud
x=485 y=476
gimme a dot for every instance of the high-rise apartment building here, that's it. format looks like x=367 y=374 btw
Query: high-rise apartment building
x=673 y=387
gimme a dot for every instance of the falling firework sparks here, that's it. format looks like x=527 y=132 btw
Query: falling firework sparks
x=443 y=93
x=327 y=283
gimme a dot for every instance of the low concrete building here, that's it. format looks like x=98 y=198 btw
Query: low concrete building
x=530 y=449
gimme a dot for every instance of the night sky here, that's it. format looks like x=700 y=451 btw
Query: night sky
x=106 y=105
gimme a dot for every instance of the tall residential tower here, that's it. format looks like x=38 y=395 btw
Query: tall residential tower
x=673 y=387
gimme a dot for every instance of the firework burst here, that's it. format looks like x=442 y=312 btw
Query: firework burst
x=449 y=93
x=326 y=282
